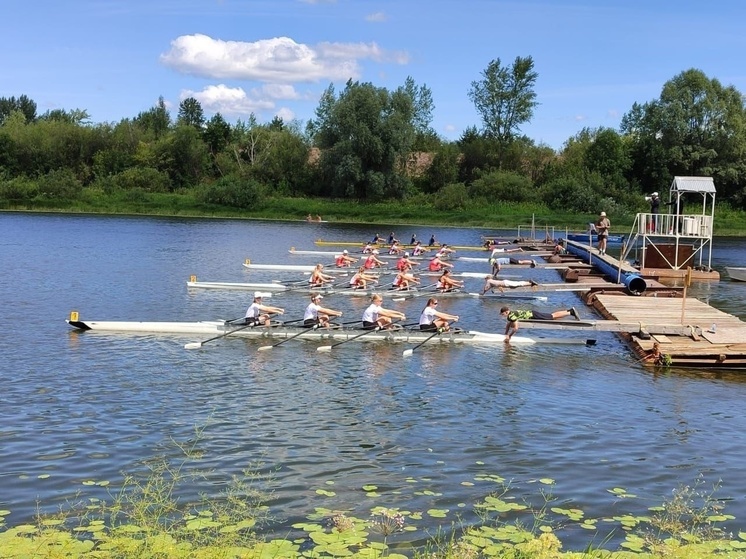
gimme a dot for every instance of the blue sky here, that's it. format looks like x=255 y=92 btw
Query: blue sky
x=114 y=58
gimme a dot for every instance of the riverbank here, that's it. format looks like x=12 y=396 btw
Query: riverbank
x=414 y=211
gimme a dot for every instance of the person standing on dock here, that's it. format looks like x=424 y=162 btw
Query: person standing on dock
x=655 y=206
x=602 y=229
x=514 y=316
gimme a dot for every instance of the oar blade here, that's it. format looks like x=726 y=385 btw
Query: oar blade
x=265 y=347
x=324 y=348
x=193 y=345
x=407 y=352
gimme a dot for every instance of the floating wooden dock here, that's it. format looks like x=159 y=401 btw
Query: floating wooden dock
x=687 y=331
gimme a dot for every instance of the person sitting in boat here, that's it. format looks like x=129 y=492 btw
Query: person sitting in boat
x=392 y=238
x=432 y=242
x=375 y=316
x=319 y=278
x=404 y=262
x=431 y=320
x=447 y=283
x=257 y=313
x=498 y=263
x=368 y=248
x=395 y=248
x=316 y=315
x=413 y=240
x=445 y=251
x=377 y=239
x=360 y=279
x=372 y=261
x=344 y=260
x=436 y=264
x=490 y=284
x=418 y=249
x=405 y=280
x=514 y=316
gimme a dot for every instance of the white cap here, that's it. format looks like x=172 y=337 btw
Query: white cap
x=376 y=252
x=603 y=214
x=258 y=294
x=406 y=254
x=655 y=194
x=317 y=296
x=344 y=251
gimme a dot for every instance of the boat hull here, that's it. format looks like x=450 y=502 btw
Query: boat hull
x=735 y=273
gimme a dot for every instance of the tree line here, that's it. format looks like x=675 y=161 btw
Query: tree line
x=366 y=143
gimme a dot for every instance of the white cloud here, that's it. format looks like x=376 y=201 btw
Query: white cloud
x=277 y=60
x=377 y=17
x=228 y=101
x=285 y=114
x=278 y=91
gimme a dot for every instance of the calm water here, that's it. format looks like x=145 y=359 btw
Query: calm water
x=77 y=407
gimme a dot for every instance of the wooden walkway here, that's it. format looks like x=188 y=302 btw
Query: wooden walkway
x=682 y=328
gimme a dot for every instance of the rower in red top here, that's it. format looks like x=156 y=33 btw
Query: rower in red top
x=436 y=264
x=447 y=283
x=404 y=262
x=373 y=262
x=344 y=260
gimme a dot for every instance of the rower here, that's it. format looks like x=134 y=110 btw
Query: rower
x=514 y=316
x=418 y=249
x=432 y=242
x=316 y=315
x=404 y=279
x=445 y=251
x=375 y=316
x=360 y=279
x=431 y=320
x=490 y=284
x=447 y=283
x=257 y=313
x=414 y=239
x=395 y=248
x=373 y=262
x=436 y=264
x=344 y=260
x=318 y=278
x=377 y=239
x=368 y=248
x=392 y=238
x=404 y=262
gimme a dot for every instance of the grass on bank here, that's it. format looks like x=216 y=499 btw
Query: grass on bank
x=143 y=518
x=419 y=210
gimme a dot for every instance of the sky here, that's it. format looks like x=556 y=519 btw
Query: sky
x=594 y=58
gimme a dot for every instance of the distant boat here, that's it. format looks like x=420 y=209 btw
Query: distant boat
x=738 y=274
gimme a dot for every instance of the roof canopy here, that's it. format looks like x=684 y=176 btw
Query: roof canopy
x=693 y=184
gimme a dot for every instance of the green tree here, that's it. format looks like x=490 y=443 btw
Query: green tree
x=505 y=99
x=155 y=120
x=696 y=127
x=23 y=104
x=217 y=134
x=365 y=136
x=191 y=114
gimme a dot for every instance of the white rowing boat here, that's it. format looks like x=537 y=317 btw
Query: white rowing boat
x=736 y=273
x=354 y=254
x=398 y=294
x=216 y=328
x=332 y=270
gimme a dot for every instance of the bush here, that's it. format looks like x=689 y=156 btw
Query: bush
x=233 y=192
x=451 y=197
x=146 y=179
x=19 y=189
x=503 y=186
x=60 y=184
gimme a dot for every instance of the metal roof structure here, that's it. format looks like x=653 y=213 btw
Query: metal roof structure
x=693 y=184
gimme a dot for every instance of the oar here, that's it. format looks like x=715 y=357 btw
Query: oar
x=266 y=347
x=197 y=345
x=408 y=352
x=329 y=347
